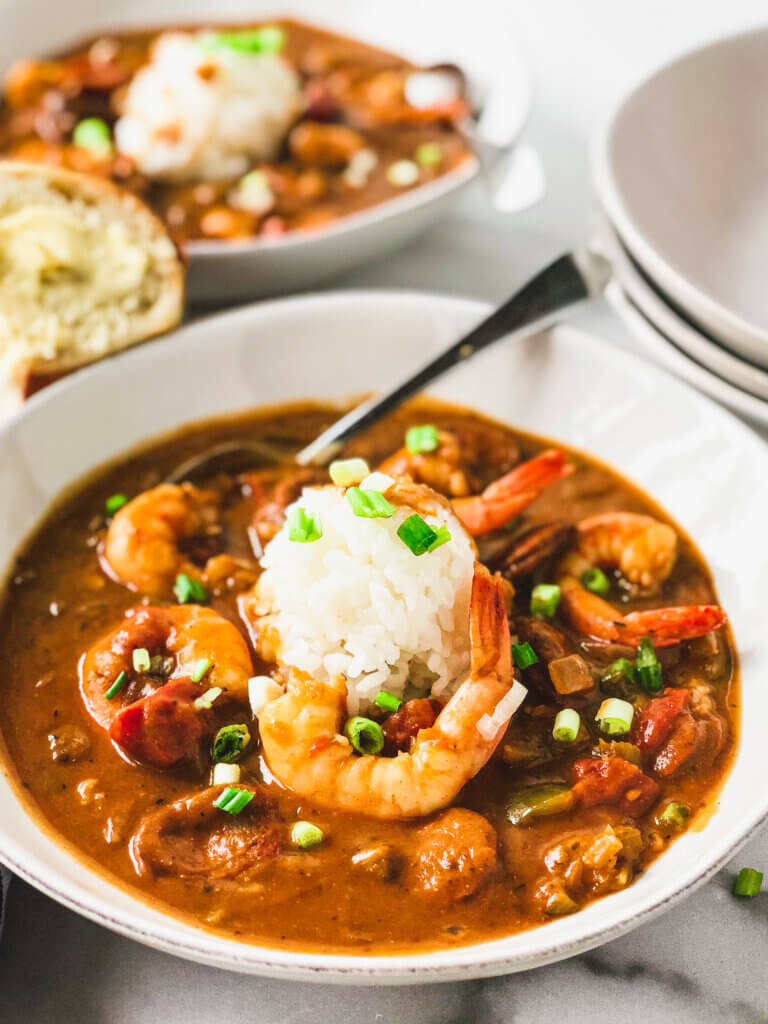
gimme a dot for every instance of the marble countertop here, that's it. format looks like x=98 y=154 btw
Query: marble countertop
x=697 y=964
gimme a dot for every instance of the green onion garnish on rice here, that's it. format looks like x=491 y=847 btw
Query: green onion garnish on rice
x=369 y=504
x=387 y=701
x=348 y=472
x=304 y=527
x=416 y=534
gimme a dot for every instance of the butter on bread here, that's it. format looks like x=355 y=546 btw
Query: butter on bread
x=86 y=269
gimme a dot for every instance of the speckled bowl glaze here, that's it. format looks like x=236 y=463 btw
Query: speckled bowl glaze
x=426 y=33
x=706 y=468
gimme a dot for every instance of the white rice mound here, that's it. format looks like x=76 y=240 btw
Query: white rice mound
x=196 y=113
x=360 y=603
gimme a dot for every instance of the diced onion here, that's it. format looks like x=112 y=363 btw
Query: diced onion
x=487 y=728
x=488 y=725
x=377 y=482
x=347 y=472
x=403 y=173
x=225 y=774
x=509 y=704
x=261 y=690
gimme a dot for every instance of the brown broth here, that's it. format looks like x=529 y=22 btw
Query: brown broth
x=59 y=602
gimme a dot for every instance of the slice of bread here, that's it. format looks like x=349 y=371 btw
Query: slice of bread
x=86 y=269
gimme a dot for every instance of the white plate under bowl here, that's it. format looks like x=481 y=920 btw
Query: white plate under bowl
x=426 y=33
x=681 y=171
x=746 y=376
x=708 y=469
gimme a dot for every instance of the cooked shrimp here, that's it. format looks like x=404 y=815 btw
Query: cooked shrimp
x=182 y=635
x=512 y=493
x=640 y=547
x=644 y=550
x=304 y=750
x=444 y=468
x=144 y=542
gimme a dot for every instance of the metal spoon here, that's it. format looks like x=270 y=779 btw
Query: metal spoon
x=572 y=278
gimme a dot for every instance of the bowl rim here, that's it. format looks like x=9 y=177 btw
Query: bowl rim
x=473 y=961
x=360 y=220
x=716 y=319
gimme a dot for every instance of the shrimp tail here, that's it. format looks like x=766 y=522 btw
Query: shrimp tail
x=668 y=626
x=491 y=650
x=508 y=496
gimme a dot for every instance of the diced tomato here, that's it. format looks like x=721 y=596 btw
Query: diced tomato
x=163 y=728
x=612 y=780
x=656 y=722
x=402 y=727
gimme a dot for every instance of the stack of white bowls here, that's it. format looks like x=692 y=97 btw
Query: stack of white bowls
x=681 y=173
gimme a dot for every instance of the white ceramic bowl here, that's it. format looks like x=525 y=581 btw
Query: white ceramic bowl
x=683 y=333
x=680 y=170
x=709 y=471
x=427 y=33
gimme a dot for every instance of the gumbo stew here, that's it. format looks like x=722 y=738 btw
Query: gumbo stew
x=238 y=131
x=465 y=684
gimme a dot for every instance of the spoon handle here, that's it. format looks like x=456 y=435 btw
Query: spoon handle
x=576 y=276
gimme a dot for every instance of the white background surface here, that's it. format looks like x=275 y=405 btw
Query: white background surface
x=704 y=961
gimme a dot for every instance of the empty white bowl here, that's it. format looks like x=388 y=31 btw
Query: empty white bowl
x=705 y=467
x=681 y=171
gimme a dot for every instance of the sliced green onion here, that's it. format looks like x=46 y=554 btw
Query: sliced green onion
x=230 y=742
x=304 y=527
x=429 y=154
x=201 y=669
x=369 y=504
x=443 y=535
x=268 y=39
x=387 y=701
x=93 y=134
x=524 y=655
x=416 y=534
x=346 y=472
x=364 y=734
x=117 y=686
x=748 y=882
x=189 y=591
x=306 y=836
x=403 y=173
x=205 y=701
x=594 y=579
x=422 y=439
x=648 y=666
x=233 y=800
x=621 y=669
x=674 y=815
x=567 y=724
x=615 y=716
x=141 y=659
x=545 y=597
x=114 y=503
